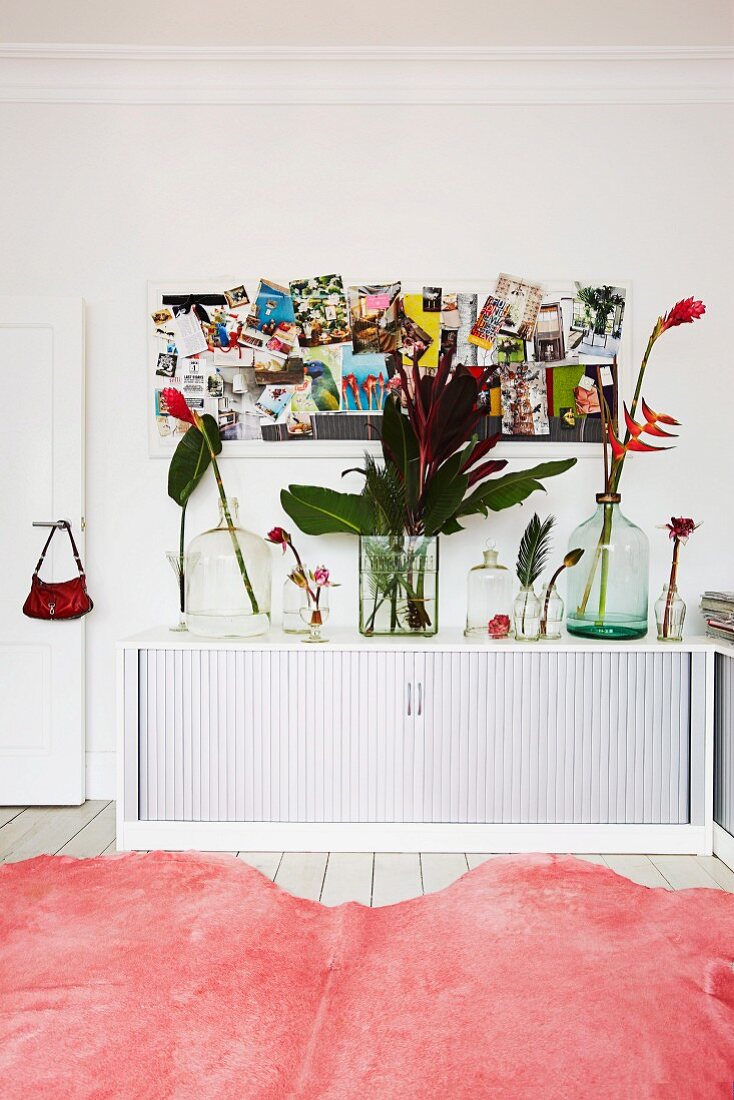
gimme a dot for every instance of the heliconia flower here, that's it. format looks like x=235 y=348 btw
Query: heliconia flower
x=617 y=448
x=279 y=537
x=651 y=416
x=321 y=576
x=176 y=405
x=683 y=313
x=681 y=528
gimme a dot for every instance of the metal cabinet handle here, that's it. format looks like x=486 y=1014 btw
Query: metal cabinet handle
x=420 y=698
x=410 y=698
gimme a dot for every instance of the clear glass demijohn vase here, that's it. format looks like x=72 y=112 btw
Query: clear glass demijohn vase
x=608 y=589
x=228 y=581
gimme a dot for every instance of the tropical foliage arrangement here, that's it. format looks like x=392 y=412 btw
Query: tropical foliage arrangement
x=198 y=450
x=435 y=470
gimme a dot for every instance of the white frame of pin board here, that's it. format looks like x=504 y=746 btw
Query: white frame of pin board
x=163 y=447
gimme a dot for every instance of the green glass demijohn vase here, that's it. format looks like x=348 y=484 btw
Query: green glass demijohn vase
x=608 y=591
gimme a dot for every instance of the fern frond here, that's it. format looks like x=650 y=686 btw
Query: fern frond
x=534 y=549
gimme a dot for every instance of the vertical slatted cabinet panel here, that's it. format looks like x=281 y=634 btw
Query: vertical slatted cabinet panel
x=552 y=737
x=724 y=743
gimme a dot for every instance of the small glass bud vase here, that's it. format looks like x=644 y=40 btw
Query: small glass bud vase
x=295 y=599
x=670 y=613
x=526 y=612
x=314 y=617
x=551 y=613
x=489 y=600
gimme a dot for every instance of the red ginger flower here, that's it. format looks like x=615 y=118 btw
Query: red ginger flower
x=683 y=313
x=176 y=405
x=681 y=528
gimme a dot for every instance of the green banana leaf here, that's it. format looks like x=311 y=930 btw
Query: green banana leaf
x=510 y=489
x=320 y=511
x=191 y=460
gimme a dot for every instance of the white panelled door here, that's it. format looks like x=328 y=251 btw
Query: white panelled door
x=42 y=471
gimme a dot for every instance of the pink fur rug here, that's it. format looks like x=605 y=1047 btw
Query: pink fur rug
x=190 y=976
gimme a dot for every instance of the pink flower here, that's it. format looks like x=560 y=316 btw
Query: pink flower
x=176 y=405
x=499 y=626
x=321 y=576
x=681 y=528
x=279 y=537
x=683 y=313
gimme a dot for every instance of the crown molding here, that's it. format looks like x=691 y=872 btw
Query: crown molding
x=461 y=75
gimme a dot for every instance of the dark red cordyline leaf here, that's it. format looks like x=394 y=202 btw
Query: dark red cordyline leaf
x=486 y=468
x=483 y=447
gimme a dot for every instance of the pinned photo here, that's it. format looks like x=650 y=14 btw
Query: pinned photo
x=215 y=386
x=432 y=296
x=375 y=318
x=491 y=317
x=524 y=400
x=596 y=322
x=321 y=389
x=365 y=382
x=274 y=401
x=162 y=316
x=271 y=368
x=322 y=310
x=273 y=306
x=420 y=332
x=236 y=297
x=523 y=304
x=166 y=365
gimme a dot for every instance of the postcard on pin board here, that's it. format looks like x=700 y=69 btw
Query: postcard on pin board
x=322 y=311
x=597 y=318
x=466 y=352
x=523 y=304
x=271 y=368
x=375 y=316
x=237 y=297
x=524 y=400
x=491 y=317
x=365 y=381
x=421 y=329
x=166 y=365
x=274 y=400
x=323 y=378
x=272 y=307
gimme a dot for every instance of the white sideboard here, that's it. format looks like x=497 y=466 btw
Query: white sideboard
x=422 y=744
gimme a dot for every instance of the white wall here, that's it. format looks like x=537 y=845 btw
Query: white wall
x=97 y=199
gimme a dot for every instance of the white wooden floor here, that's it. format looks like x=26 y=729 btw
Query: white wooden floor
x=373 y=878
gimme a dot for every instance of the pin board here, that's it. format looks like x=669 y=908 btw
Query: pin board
x=306 y=364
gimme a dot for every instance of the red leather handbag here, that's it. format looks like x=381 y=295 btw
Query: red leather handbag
x=65 y=600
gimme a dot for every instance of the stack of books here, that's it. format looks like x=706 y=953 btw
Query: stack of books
x=718 y=611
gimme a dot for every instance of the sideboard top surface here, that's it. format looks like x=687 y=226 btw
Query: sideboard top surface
x=161 y=637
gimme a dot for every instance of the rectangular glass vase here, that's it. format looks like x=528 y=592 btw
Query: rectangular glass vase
x=398 y=585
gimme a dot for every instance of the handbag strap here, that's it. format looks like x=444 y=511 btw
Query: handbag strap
x=77 y=559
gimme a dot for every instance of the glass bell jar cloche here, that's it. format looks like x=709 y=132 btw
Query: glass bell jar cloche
x=228 y=580
x=489 y=599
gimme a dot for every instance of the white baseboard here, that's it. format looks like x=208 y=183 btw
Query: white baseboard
x=101 y=773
